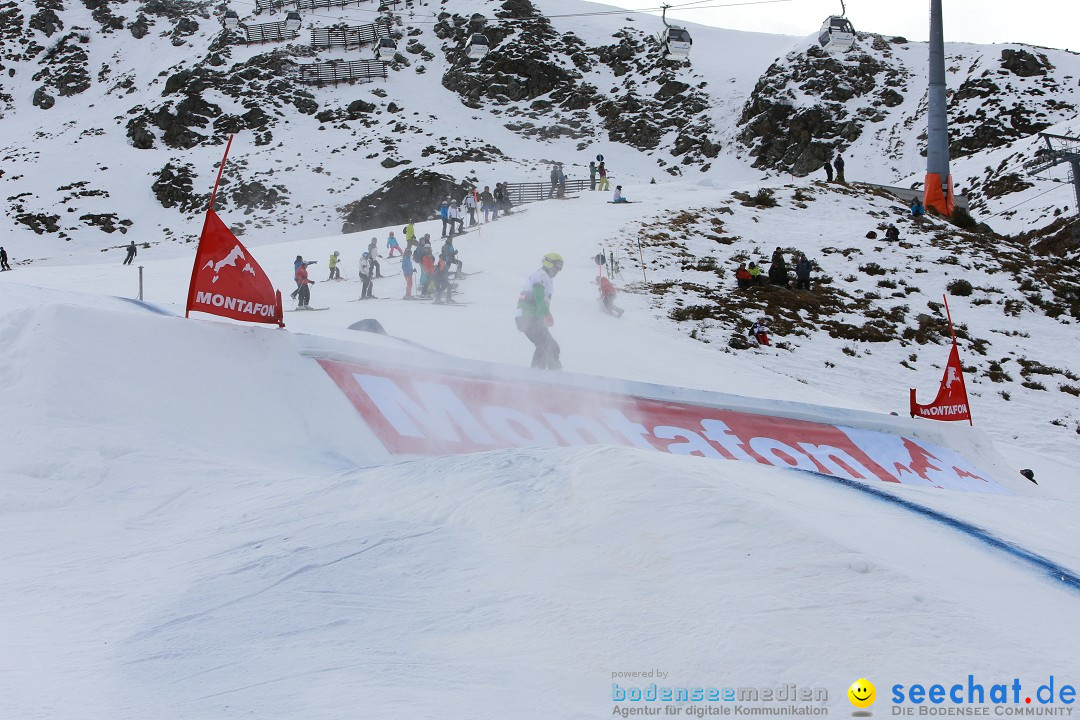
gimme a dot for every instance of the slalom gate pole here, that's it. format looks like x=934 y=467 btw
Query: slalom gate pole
x=213 y=195
x=642 y=259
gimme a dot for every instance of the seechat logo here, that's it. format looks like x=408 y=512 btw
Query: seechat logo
x=862 y=695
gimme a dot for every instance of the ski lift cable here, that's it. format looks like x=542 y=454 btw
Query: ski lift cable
x=694 y=5
x=1034 y=197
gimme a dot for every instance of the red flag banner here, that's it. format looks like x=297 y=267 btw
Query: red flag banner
x=951 y=402
x=227 y=281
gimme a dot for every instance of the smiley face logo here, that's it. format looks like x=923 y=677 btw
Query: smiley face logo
x=862 y=693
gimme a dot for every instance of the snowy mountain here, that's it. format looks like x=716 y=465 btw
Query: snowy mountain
x=205 y=519
x=146 y=92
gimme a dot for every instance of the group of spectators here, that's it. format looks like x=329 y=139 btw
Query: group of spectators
x=777 y=274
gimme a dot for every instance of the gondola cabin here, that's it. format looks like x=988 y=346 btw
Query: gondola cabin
x=387 y=48
x=478 y=46
x=677 y=43
x=292 y=21
x=837 y=34
x=232 y=20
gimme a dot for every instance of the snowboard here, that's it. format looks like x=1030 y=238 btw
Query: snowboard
x=628 y=202
x=306 y=309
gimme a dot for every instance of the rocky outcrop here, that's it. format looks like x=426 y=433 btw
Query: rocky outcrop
x=412 y=195
x=173 y=188
x=799 y=137
x=1025 y=64
x=65 y=67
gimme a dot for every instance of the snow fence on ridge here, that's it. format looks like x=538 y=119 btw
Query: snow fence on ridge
x=425 y=403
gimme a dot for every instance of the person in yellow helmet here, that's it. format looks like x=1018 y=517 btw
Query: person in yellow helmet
x=534 y=313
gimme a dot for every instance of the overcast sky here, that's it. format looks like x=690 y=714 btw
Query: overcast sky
x=1050 y=23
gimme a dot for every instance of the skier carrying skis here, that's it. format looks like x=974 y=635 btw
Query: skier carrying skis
x=760 y=332
x=607 y=297
x=534 y=313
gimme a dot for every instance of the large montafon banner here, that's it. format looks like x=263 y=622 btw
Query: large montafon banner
x=438 y=413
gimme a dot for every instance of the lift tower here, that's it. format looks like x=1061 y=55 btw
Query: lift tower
x=1059 y=149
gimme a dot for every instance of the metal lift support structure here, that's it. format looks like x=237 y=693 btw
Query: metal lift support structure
x=1059 y=149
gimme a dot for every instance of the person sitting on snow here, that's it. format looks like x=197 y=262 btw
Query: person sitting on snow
x=618 y=197
x=760 y=332
x=743 y=277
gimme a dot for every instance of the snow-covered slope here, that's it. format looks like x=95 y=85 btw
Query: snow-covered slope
x=191 y=529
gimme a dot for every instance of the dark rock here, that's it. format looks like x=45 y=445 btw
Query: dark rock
x=1024 y=64
x=254 y=195
x=359 y=107
x=40 y=223
x=414 y=194
x=173 y=188
x=139 y=27
x=43 y=99
x=46 y=20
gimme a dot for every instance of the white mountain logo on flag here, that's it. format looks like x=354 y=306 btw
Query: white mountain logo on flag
x=230 y=261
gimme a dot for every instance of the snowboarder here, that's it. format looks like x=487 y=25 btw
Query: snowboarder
x=534 y=313
x=131 y=253
x=607 y=297
x=365 y=276
x=892 y=233
x=408 y=271
x=335 y=271
x=618 y=196
x=373 y=257
x=592 y=174
x=743 y=278
x=4 y=260
x=760 y=332
x=828 y=171
x=802 y=273
x=838 y=163
x=302 y=282
x=601 y=170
